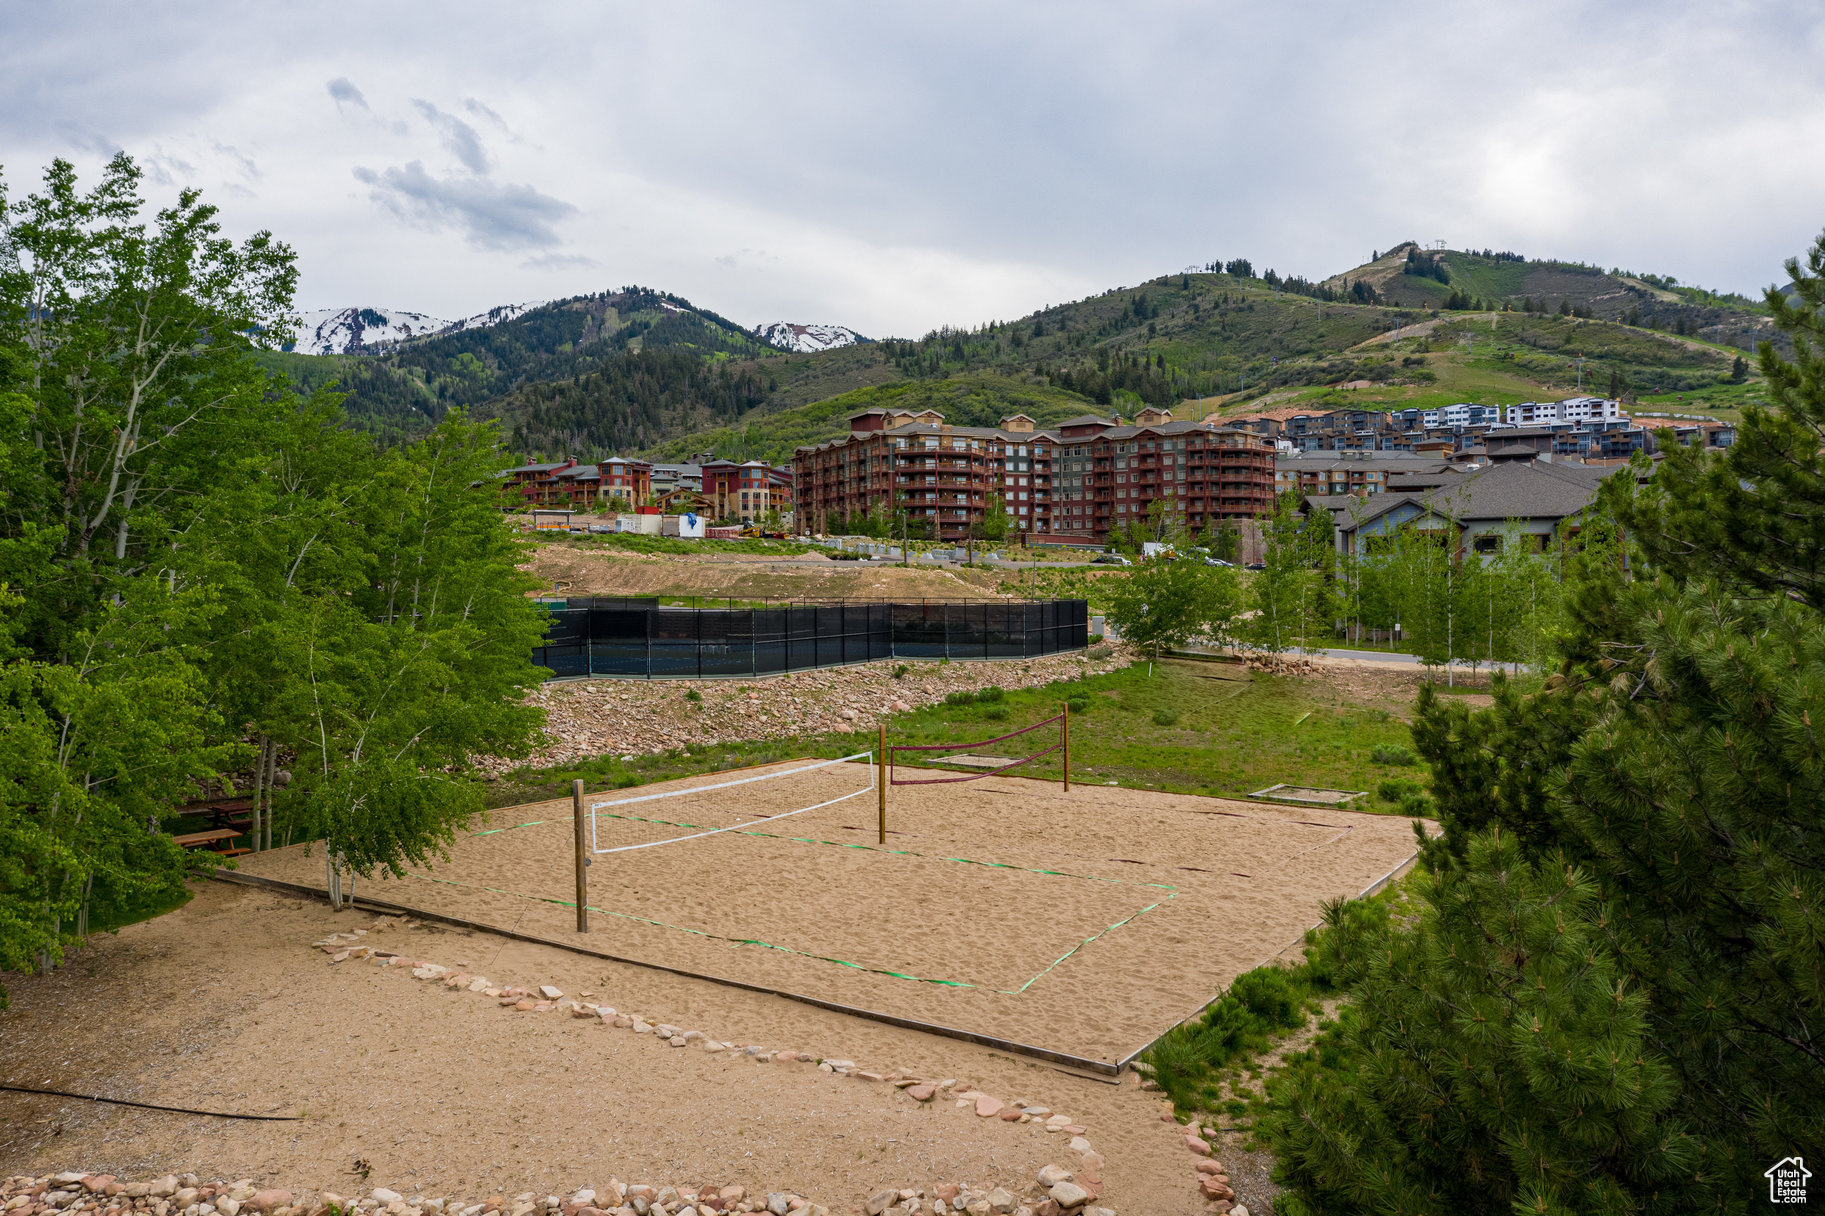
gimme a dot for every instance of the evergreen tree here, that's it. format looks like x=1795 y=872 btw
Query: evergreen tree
x=1610 y=996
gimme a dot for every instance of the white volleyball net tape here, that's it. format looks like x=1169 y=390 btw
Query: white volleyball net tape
x=595 y=845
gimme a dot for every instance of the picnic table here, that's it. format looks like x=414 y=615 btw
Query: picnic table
x=236 y=810
x=213 y=838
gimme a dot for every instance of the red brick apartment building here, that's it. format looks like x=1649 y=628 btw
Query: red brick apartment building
x=1073 y=482
x=746 y=491
x=567 y=483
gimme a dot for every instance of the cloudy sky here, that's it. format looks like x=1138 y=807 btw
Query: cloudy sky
x=896 y=167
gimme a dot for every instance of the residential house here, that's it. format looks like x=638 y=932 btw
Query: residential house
x=1474 y=512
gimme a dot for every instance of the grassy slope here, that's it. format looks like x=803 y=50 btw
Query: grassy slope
x=1526 y=357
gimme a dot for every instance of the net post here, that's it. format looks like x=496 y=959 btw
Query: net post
x=576 y=803
x=1067 y=747
x=881 y=780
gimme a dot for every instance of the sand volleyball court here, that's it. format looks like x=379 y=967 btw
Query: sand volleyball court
x=1085 y=923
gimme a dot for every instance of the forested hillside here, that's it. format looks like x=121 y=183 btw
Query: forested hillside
x=972 y=399
x=639 y=371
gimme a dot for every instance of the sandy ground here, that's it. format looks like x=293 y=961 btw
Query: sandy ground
x=579 y=570
x=222 y=1005
x=1087 y=923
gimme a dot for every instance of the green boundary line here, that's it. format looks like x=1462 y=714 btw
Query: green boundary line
x=736 y=943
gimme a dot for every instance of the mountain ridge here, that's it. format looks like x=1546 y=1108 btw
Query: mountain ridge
x=644 y=371
x=360 y=329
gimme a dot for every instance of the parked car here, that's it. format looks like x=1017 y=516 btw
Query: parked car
x=1217 y=561
x=1257 y=565
x=1110 y=559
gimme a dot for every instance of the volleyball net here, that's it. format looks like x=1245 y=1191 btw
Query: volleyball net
x=696 y=792
x=938 y=751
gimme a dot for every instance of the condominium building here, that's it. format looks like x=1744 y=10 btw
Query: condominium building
x=1348 y=472
x=1075 y=481
x=748 y=491
x=570 y=483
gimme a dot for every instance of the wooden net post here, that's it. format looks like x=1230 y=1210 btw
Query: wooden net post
x=1067 y=748
x=576 y=803
x=881 y=779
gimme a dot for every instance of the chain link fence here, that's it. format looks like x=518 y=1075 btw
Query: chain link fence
x=643 y=639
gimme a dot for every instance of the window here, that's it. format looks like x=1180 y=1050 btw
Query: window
x=1488 y=544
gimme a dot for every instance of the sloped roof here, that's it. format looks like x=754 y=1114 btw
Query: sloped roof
x=1519 y=491
x=1354 y=510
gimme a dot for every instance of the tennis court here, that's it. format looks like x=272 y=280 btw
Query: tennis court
x=1085 y=922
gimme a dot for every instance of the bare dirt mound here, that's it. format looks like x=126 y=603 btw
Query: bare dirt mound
x=575 y=571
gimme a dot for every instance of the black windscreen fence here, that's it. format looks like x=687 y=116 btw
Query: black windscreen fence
x=642 y=639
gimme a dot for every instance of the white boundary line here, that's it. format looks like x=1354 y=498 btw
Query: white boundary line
x=723 y=785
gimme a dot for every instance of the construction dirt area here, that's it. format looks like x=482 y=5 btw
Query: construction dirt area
x=577 y=569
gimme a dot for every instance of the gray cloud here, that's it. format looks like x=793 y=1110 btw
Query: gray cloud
x=559 y=261
x=491 y=215
x=240 y=159
x=166 y=169
x=475 y=106
x=459 y=137
x=947 y=162
x=345 y=92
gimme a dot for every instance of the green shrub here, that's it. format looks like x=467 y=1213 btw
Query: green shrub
x=996 y=713
x=990 y=695
x=959 y=698
x=1258 y=1004
x=693 y=695
x=1393 y=753
x=1079 y=704
x=1395 y=789
x=900 y=670
x=1165 y=717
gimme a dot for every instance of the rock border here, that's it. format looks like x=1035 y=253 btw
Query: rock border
x=351 y=946
x=81 y=1193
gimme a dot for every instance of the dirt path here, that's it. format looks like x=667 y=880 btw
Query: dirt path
x=224 y=1005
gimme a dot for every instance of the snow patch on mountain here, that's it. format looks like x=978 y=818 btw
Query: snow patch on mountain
x=355 y=331
x=363 y=331
x=494 y=316
x=806 y=339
